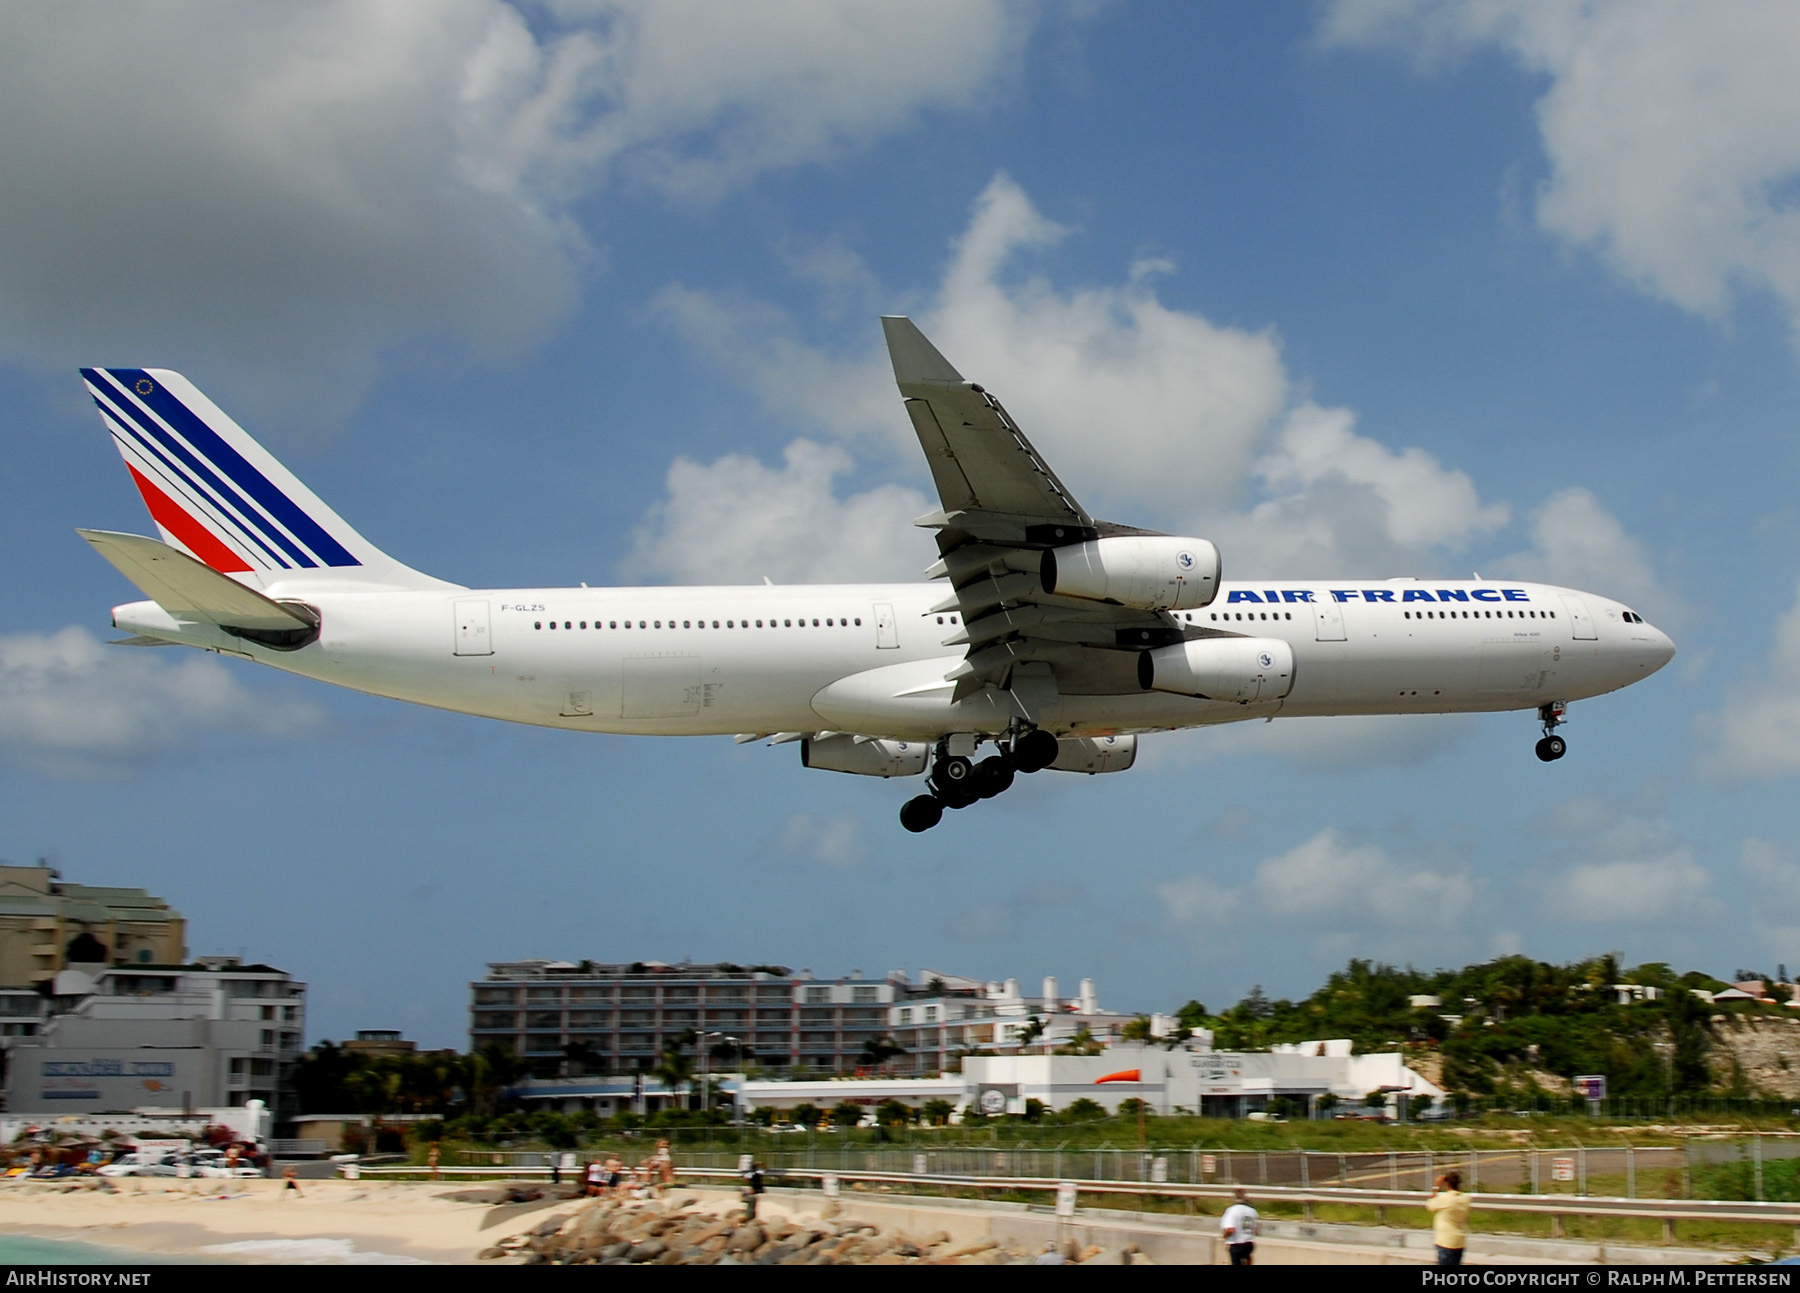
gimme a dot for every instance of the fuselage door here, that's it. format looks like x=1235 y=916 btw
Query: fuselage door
x=887 y=632
x=1581 y=624
x=1329 y=617
x=473 y=632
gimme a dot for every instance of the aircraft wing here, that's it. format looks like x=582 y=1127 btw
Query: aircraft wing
x=192 y=590
x=1003 y=507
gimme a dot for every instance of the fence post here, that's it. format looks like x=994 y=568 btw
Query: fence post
x=1474 y=1171
x=1262 y=1162
x=1757 y=1144
x=1534 y=1171
x=1581 y=1162
x=1393 y=1171
x=1343 y=1173
x=1630 y=1172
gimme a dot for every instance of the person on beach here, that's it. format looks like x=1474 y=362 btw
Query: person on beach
x=290 y=1182
x=431 y=1160
x=753 y=1188
x=664 y=1162
x=615 y=1175
x=1238 y=1228
x=1449 y=1208
x=593 y=1179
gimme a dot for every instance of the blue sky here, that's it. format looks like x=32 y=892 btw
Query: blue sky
x=588 y=291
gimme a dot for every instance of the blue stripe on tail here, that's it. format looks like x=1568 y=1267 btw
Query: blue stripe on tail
x=232 y=464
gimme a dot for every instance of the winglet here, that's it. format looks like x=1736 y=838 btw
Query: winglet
x=915 y=359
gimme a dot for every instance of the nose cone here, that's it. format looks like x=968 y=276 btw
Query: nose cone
x=1654 y=648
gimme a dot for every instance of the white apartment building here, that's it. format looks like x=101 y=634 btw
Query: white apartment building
x=216 y=1033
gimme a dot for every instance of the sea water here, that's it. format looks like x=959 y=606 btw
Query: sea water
x=30 y=1250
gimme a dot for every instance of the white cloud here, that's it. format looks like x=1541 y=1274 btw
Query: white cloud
x=1668 y=126
x=1340 y=504
x=1330 y=882
x=1577 y=543
x=1756 y=735
x=1332 y=888
x=1151 y=415
x=835 y=841
x=736 y=520
x=1622 y=864
x=1775 y=915
x=268 y=190
x=71 y=705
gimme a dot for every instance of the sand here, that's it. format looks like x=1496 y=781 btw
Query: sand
x=250 y=1221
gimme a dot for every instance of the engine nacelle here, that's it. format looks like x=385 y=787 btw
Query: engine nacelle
x=1095 y=754
x=841 y=752
x=1148 y=572
x=1230 y=669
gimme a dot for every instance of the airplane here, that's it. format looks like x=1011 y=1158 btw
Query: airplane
x=1056 y=638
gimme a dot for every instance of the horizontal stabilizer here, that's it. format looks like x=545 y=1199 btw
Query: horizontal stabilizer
x=192 y=590
x=139 y=639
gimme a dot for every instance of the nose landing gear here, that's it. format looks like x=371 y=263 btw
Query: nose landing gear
x=956 y=781
x=1552 y=747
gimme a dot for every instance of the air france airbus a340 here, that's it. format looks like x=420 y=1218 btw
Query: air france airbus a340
x=1054 y=637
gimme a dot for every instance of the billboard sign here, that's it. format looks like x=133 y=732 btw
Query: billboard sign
x=79 y=1079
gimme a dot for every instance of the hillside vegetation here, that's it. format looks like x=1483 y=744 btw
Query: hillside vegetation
x=1515 y=1028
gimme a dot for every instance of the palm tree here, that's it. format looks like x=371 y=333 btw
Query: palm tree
x=877 y=1051
x=675 y=1070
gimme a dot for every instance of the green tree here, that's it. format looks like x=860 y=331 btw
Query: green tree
x=937 y=1112
x=846 y=1114
x=1084 y=1110
x=1136 y=1030
x=889 y=1112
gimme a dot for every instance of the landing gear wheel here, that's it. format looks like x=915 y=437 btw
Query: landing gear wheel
x=1035 y=751
x=921 y=813
x=954 y=781
x=953 y=770
x=1552 y=748
x=994 y=776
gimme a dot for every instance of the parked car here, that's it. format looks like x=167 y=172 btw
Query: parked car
x=135 y=1164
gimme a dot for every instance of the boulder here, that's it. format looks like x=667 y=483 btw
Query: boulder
x=747 y=1239
x=648 y=1250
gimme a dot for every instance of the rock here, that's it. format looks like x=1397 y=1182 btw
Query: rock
x=831 y=1209
x=616 y=1249
x=774 y=1253
x=649 y=1250
x=488 y=1254
x=1102 y=1257
x=970 y=1250
x=746 y=1239
x=550 y=1225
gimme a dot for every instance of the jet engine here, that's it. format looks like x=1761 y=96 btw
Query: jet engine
x=1148 y=572
x=1095 y=754
x=841 y=752
x=1231 y=669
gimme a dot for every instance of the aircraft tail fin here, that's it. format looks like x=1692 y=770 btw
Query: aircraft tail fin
x=219 y=496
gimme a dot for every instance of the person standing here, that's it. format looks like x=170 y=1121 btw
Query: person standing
x=753 y=1188
x=1238 y=1229
x=1449 y=1208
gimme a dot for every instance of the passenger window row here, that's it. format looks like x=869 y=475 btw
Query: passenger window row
x=833 y=622
x=1278 y=615
x=1480 y=615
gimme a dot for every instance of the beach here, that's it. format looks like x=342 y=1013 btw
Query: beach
x=328 y=1222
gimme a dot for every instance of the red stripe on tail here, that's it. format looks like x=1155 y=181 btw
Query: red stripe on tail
x=196 y=538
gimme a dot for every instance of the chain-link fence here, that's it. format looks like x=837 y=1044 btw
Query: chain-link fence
x=1618 y=1171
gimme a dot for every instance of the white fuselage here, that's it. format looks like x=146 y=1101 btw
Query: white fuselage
x=871 y=658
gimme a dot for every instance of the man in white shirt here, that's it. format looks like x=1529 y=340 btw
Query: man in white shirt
x=1238 y=1228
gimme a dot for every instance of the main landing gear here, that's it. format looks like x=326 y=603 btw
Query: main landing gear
x=1552 y=747
x=957 y=781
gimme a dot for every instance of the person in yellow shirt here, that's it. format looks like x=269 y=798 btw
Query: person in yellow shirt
x=1449 y=1208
